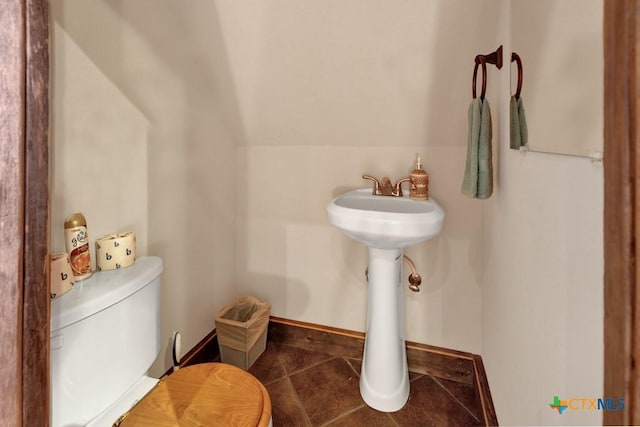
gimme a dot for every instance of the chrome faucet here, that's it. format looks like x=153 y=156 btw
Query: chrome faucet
x=384 y=187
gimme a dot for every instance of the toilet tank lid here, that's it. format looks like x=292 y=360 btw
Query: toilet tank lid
x=103 y=289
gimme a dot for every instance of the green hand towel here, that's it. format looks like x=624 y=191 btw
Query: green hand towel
x=519 y=131
x=478 y=173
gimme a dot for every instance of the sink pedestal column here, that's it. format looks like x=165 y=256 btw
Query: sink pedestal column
x=384 y=379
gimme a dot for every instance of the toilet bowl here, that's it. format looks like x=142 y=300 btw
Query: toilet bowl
x=105 y=334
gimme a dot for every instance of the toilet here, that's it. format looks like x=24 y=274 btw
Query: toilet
x=105 y=334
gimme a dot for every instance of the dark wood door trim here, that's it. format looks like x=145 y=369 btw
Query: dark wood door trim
x=621 y=213
x=24 y=217
x=12 y=135
x=36 y=304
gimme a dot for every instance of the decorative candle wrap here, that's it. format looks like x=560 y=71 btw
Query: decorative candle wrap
x=61 y=279
x=115 y=251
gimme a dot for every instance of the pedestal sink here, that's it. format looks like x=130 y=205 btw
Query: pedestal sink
x=386 y=225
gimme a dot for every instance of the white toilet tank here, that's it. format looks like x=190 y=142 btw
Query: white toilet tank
x=105 y=334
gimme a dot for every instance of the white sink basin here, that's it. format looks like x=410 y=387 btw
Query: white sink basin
x=385 y=222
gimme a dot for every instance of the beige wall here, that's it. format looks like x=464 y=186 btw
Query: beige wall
x=248 y=117
x=98 y=150
x=542 y=288
x=542 y=300
x=168 y=63
x=328 y=91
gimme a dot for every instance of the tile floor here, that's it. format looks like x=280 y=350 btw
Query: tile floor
x=313 y=380
x=312 y=388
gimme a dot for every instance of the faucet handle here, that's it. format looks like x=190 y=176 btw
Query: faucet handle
x=376 y=184
x=397 y=189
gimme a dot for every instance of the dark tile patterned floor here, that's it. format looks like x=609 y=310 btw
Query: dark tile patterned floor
x=319 y=388
x=313 y=380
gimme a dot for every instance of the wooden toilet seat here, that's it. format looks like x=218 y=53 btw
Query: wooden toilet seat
x=207 y=394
